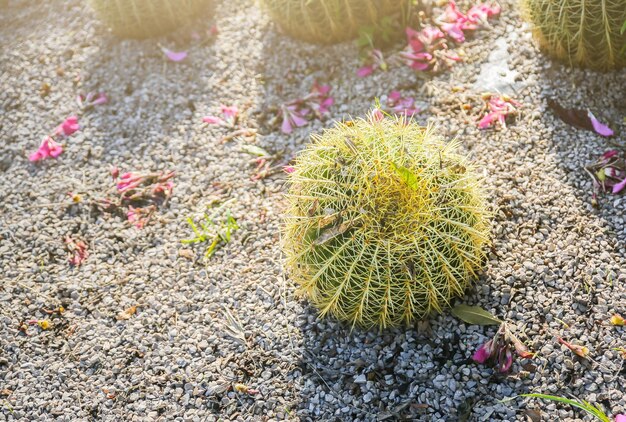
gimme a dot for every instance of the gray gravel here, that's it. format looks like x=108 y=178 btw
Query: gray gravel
x=201 y=329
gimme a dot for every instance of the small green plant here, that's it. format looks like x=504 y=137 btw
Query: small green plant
x=216 y=234
x=385 y=222
x=581 y=32
x=583 y=405
x=329 y=21
x=148 y=18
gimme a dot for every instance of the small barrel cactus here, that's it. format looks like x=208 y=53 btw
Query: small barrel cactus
x=328 y=21
x=385 y=223
x=148 y=18
x=586 y=33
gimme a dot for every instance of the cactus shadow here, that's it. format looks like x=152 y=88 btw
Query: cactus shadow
x=356 y=374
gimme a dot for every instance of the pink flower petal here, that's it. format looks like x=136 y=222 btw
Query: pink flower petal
x=175 y=56
x=620 y=418
x=286 y=126
x=212 y=120
x=483 y=353
x=618 y=188
x=289 y=169
x=48 y=149
x=454 y=31
x=298 y=120
x=229 y=112
x=486 y=121
x=505 y=360
x=413 y=39
x=68 y=127
x=394 y=95
x=600 y=128
x=365 y=71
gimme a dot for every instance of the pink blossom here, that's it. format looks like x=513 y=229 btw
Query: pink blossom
x=68 y=127
x=48 y=149
x=289 y=169
x=417 y=61
x=401 y=105
x=134 y=217
x=374 y=60
x=115 y=172
x=483 y=353
x=77 y=250
x=292 y=116
x=499 y=108
x=452 y=13
x=504 y=359
x=454 y=31
x=164 y=189
x=620 y=418
x=91 y=99
x=229 y=112
x=213 y=120
x=365 y=71
x=129 y=181
x=213 y=30
x=175 y=56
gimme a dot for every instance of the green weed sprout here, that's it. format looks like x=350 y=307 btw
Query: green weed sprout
x=148 y=18
x=583 y=405
x=211 y=232
x=329 y=21
x=580 y=32
x=385 y=222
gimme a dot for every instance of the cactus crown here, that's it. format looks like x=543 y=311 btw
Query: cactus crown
x=385 y=223
x=328 y=21
x=582 y=32
x=147 y=18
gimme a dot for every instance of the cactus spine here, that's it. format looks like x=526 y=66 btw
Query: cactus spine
x=585 y=33
x=148 y=18
x=328 y=21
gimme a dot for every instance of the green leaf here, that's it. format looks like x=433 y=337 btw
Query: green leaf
x=407 y=176
x=586 y=406
x=255 y=150
x=475 y=315
x=623 y=28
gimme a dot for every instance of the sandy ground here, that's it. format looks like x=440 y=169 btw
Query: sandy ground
x=557 y=266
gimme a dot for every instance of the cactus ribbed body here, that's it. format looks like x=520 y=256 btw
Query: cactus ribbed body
x=148 y=18
x=328 y=21
x=385 y=222
x=581 y=32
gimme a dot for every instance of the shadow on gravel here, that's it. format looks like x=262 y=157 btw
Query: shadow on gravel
x=408 y=373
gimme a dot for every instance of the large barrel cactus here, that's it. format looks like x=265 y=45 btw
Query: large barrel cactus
x=148 y=18
x=329 y=21
x=581 y=32
x=385 y=223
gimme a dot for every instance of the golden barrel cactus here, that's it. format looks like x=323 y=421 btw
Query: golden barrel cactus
x=148 y=18
x=585 y=33
x=329 y=21
x=385 y=223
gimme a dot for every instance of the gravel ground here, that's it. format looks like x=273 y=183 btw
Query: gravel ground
x=557 y=265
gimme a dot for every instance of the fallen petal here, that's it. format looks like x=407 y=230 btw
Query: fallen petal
x=365 y=71
x=600 y=128
x=212 y=120
x=175 y=56
x=618 y=187
x=483 y=353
